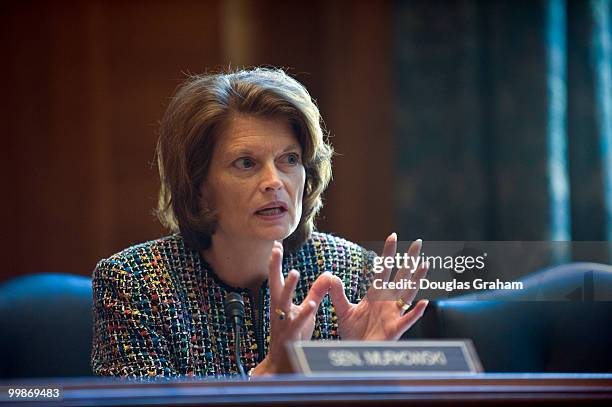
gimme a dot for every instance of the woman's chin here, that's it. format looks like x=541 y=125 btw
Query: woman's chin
x=275 y=233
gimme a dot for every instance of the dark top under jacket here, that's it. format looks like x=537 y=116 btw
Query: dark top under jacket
x=159 y=307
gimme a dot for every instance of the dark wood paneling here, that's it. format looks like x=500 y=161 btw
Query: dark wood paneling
x=87 y=82
x=358 y=99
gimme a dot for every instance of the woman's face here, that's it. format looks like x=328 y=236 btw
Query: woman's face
x=256 y=180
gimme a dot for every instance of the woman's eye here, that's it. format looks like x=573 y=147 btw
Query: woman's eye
x=244 y=163
x=293 y=159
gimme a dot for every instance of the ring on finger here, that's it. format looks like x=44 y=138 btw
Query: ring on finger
x=280 y=313
x=403 y=305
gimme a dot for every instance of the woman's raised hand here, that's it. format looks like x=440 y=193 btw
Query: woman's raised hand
x=288 y=321
x=381 y=314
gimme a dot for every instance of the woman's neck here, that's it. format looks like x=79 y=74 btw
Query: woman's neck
x=239 y=263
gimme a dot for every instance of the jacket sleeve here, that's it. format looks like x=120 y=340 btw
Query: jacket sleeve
x=127 y=338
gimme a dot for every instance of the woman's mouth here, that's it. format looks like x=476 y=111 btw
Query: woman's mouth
x=271 y=213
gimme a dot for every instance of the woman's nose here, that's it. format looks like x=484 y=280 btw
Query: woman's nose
x=271 y=180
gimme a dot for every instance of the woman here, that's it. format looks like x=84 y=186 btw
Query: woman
x=243 y=163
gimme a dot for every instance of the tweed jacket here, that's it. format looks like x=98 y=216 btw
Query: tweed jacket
x=159 y=307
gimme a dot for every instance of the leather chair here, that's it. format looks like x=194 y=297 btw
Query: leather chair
x=560 y=322
x=46 y=324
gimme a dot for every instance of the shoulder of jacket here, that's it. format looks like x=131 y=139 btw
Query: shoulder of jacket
x=139 y=257
x=323 y=248
x=327 y=241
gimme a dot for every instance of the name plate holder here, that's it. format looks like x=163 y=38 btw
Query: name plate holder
x=380 y=358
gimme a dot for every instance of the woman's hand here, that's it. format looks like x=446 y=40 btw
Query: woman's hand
x=379 y=315
x=288 y=321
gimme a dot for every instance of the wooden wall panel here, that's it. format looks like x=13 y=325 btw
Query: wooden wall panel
x=87 y=82
x=49 y=182
x=358 y=99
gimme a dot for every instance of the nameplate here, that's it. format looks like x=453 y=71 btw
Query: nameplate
x=402 y=358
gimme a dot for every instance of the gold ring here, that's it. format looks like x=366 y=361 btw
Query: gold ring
x=403 y=305
x=281 y=314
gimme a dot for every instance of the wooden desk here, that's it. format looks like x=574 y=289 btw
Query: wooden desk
x=483 y=389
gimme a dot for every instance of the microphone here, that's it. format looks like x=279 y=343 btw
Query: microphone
x=234 y=309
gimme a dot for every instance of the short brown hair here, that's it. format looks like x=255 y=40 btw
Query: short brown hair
x=195 y=119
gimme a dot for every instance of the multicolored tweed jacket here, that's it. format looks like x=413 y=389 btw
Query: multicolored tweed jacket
x=158 y=307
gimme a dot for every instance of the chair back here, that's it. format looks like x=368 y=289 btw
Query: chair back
x=560 y=322
x=46 y=323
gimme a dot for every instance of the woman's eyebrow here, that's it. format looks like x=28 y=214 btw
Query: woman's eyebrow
x=292 y=147
x=239 y=151
x=247 y=151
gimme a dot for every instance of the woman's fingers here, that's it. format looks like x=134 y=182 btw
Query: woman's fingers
x=413 y=253
x=296 y=316
x=306 y=314
x=319 y=289
x=389 y=251
x=409 y=294
x=338 y=296
x=412 y=316
x=275 y=273
x=415 y=270
x=286 y=298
